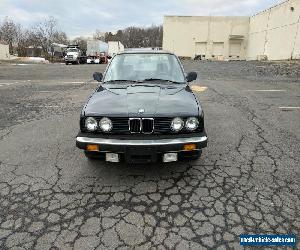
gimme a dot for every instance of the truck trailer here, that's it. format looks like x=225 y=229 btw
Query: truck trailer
x=96 y=51
x=114 y=47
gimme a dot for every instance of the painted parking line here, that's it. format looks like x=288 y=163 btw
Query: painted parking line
x=11 y=83
x=197 y=88
x=43 y=106
x=16 y=82
x=6 y=83
x=71 y=82
x=288 y=108
x=266 y=90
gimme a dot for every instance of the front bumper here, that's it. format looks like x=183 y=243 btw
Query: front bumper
x=152 y=146
x=71 y=59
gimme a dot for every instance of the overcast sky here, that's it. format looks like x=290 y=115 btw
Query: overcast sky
x=83 y=17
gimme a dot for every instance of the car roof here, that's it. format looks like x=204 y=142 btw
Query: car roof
x=145 y=51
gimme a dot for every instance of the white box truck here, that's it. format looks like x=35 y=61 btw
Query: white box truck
x=115 y=47
x=96 y=51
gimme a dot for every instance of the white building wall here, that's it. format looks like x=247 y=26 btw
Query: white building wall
x=189 y=35
x=275 y=33
x=4 y=52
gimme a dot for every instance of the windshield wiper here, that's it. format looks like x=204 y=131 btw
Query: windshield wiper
x=158 y=79
x=141 y=84
x=111 y=81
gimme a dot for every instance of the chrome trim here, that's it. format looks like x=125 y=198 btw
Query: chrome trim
x=158 y=142
x=140 y=125
x=152 y=119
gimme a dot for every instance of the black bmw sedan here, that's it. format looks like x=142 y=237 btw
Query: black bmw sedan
x=143 y=111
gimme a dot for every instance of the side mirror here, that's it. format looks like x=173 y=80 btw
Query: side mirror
x=191 y=76
x=97 y=76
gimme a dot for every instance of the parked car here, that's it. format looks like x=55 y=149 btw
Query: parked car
x=143 y=111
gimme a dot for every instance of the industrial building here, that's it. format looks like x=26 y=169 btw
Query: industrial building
x=273 y=34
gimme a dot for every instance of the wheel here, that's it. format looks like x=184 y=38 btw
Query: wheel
x=67 y=63
x=93 y=155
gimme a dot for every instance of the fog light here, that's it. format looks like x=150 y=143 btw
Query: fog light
x=91 y=147
x=189 y=147
x=169 y=157
x=111 y=157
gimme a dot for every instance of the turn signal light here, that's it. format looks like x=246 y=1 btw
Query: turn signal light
x=91 y=147
x=189 y=147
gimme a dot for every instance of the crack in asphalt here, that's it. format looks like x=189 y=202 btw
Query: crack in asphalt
x=204 y=204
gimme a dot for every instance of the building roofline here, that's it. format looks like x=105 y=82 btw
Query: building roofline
x=205 y=16
x=258 y=13
x=270 y=8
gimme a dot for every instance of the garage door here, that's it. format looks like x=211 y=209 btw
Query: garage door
x=200 y=48
x=218 y=49
x=235 y=48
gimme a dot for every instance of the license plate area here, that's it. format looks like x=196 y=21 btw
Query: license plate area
x=140 y=154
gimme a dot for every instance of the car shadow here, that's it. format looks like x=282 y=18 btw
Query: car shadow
x=99 y=176
x=151 y=171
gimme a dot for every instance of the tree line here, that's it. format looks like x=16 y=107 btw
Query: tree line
x=44 y=34
x=134 y=37
x=41 y=35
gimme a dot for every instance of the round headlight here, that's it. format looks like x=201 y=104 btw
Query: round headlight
x=105 y=124
x=91 y=124
x=192 y=123
x=177 y=124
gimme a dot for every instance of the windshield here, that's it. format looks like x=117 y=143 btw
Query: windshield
x=141 y=67
x=72 y=50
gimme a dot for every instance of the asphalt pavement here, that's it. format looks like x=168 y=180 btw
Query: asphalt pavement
x=247 y=180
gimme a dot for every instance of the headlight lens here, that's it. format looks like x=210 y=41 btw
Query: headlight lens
x=177 y=124
x=91 y=124
x=105 y=124
x=192 y=123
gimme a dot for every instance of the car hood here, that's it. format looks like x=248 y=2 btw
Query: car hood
x=154 y=100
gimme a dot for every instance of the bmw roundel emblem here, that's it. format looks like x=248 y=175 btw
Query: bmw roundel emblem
x=141 y=111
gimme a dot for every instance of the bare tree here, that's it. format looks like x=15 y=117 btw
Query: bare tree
x=43 y=34
x=99 y=35
x=24 y=41
x=136 y=37
x=60 y=37
x=10 y=33
x=81 y=42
